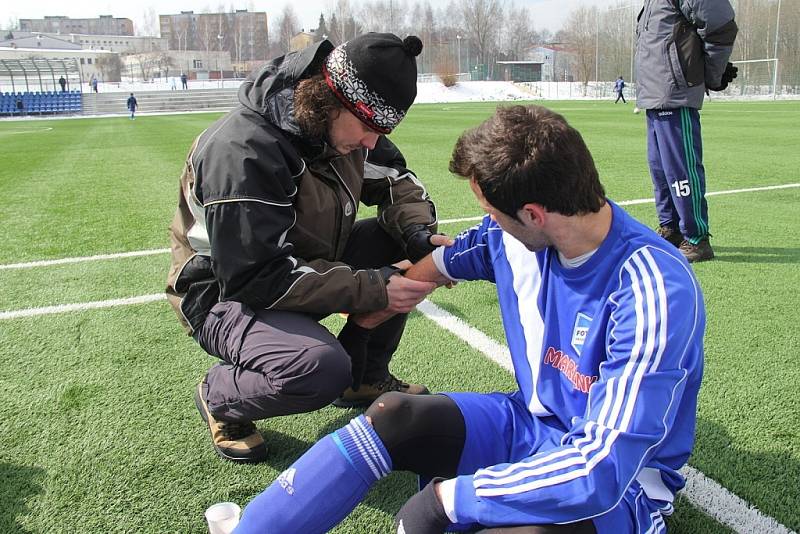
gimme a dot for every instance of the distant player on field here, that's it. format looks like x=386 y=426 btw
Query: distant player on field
x=619 y=87
x=604 y=322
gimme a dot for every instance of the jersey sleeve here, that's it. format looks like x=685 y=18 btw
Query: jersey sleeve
x=469 y=258
x=654 y=358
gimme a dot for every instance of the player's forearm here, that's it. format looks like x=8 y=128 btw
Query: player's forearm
x=425 y=270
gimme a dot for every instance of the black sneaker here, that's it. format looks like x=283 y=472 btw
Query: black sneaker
x=237 y=442
x=699 y=252
x=671 y=234
x=369 y=392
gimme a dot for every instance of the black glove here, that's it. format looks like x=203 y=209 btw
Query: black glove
x=354 y=341
x=423 y=513
x=417 y=239
x=730 y=73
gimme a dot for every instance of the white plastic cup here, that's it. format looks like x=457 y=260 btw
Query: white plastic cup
x=222 y=517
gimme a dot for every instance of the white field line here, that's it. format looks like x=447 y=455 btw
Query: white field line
x=651 y=200
x=113 y=256
x=700 y=490
x=48 y=310
x=47 y=263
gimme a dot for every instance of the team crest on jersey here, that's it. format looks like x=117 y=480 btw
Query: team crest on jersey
x=580 y=331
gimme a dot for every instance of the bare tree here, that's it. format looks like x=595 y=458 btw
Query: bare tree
x=286 y=26
x=149 y=23
x=482 y=20
x=206 y=37
x=342 y=24
x=518 y=34
x=579 y=33
x=110 y=67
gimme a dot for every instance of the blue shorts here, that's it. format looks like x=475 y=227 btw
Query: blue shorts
x=500 y=429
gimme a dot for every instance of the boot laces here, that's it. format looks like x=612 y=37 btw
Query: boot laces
x=236 y=431
x=391 y=383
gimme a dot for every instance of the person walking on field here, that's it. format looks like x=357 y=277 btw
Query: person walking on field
x=619 y=85
x=266 y=241
x=682 y=51
x=132 y=105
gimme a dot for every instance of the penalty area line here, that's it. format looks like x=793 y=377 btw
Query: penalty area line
x=700 y=490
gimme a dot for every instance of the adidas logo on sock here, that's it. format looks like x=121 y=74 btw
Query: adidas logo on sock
x=286 y=480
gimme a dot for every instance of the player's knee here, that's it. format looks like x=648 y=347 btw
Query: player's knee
x=389 y=414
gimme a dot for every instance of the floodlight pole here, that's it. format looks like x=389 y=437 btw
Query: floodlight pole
x=219 y=50
x=458 y=38
x=596 y=46
x=775 y=54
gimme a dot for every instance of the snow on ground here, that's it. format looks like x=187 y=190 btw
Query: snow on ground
x=434 y=92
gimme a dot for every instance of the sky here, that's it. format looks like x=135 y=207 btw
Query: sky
x=546 y=14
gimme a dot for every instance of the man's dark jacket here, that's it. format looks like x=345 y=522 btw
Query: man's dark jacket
x=264 y=212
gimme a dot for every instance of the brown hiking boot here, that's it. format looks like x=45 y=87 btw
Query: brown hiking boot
x=369 y=392
x=238 y=442
x=699 y=252
x=671 y=234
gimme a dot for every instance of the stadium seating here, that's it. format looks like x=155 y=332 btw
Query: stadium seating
x=41 y=103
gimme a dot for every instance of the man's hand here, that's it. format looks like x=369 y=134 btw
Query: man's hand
x=423 y=513
x=730 y=73
x=420 y=241
x=405 y=293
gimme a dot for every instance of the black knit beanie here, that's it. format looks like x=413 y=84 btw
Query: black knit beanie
x=375 y=76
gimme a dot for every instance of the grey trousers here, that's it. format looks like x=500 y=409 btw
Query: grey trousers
x=278 y=362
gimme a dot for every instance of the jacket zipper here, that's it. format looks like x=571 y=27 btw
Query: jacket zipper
x=341 y=210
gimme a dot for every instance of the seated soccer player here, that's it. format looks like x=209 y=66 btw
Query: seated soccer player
x=604 y=321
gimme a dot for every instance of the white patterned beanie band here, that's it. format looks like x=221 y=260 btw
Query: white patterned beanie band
x=375 y=76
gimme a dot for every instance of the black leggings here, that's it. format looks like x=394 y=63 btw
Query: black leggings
x=425 y=434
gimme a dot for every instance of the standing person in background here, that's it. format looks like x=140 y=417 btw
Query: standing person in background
x=63 y=83
x=132 y=105
x=172 y=83
x=184 y=82
x=682 y=50
x=619 y=85
x=93 y=83
x=266 y=241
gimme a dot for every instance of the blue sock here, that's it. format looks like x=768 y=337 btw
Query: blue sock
x=323 y=486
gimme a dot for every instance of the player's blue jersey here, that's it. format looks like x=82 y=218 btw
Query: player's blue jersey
x=612 y=350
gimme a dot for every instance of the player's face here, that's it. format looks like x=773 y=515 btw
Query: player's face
x=347 y=133
x=526 y=233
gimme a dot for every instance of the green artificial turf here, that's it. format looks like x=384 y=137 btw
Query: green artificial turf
x=99 y=430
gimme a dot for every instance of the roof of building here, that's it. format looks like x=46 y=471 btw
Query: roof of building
x=39 y=41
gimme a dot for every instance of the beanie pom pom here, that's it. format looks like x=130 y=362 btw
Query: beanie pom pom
x=412 y=45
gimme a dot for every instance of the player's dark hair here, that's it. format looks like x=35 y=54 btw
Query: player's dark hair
x=313 y=103
x=525 y=154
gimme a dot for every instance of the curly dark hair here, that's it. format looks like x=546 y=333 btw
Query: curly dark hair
x=314 y=103
x=525 y=154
